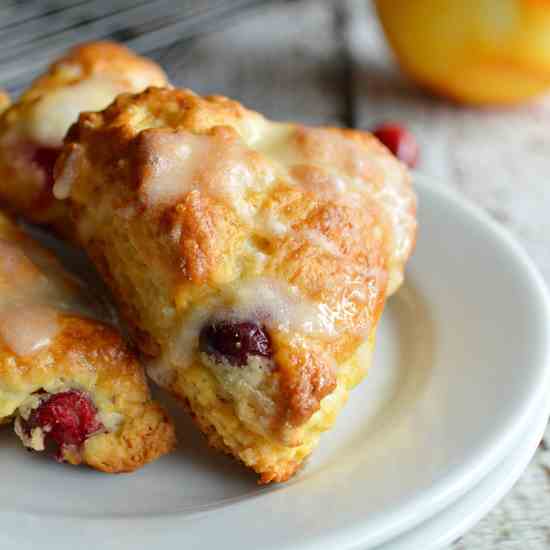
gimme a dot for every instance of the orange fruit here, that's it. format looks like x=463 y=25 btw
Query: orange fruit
x=484 y=52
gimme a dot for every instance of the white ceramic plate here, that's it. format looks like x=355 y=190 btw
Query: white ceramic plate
x=462 y=363
x=456 y=519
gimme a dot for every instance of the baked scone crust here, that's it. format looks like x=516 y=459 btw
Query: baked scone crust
x=82 y=354
x=190 y=206
x=88 y=77
x=5 y=101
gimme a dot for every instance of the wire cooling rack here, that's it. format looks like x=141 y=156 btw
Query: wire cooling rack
x=34 y=32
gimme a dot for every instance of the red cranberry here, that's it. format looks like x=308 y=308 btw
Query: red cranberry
x=67 y=418
x=235 y=341
x=399 y=141
x=44 y=158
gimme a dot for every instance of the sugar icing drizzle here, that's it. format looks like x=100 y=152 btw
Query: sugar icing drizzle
x=34 y=290
x=180 y=161
x=56 y=111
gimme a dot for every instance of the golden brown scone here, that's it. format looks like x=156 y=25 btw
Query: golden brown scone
x=67 y=379
x=251 y=258
x=4 y=101
x=87 y=78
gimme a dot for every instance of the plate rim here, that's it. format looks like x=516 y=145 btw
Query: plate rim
x=437 y=499
x=488 y=492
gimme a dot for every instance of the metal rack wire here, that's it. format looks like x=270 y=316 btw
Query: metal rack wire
x=33 y=32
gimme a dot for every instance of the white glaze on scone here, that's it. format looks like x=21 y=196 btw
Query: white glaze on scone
x=34 y=289
x=52 y=115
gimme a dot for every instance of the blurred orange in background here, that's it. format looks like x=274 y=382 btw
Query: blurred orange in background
x=484 y=52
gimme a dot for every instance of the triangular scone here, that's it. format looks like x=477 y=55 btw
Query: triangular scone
x=86 y=78
x=251 y=258
x=68 y=380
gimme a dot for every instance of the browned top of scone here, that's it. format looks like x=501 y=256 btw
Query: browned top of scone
x=192 y=204
x=108 y=68
x=98 y=59
x=4 y=100
x=87 y=78
x=80 y=349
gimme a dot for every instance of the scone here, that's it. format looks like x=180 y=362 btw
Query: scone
x=252 y=259
x=87 y=78
x=4 y=101
x=67 y=380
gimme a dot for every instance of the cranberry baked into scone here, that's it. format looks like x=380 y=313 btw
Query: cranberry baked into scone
x=67 y=380
x=87 y=78
x=252 y=259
